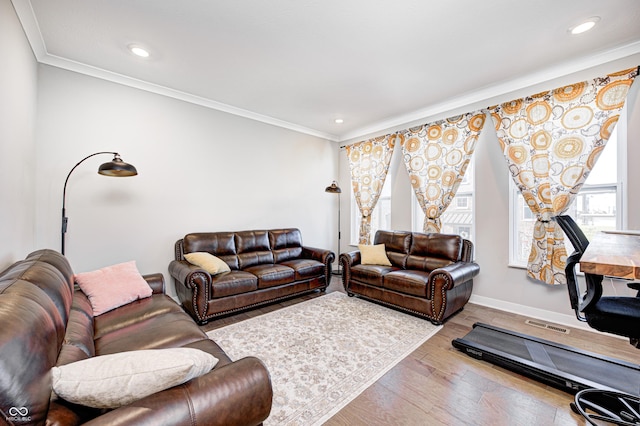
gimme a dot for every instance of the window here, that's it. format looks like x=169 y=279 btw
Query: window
x=380 y=217
x=596 y=207
x=458 y=218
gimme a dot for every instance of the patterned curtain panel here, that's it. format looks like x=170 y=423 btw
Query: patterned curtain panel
x=551 y=141
x=436 y=156
x=369 y=162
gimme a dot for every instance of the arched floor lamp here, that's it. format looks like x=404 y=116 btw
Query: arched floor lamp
x=115 y=167
x=335 y=189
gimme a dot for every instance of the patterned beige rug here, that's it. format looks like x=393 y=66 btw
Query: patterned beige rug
x=324 y=352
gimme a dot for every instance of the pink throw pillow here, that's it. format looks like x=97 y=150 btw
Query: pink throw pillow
x=113 y=286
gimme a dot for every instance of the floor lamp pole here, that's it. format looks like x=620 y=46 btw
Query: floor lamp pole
x=338 y=255
x=335 y=189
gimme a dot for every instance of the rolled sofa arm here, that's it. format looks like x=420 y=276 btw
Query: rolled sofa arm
x=156 y=282
x=446 y=291
x=238 y=393
x=193 y=285
x=348 y=260
x=449 y=276
x=326 y=257
x=321 y=255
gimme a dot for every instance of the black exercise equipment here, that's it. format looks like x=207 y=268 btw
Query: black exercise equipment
x=561 y=366
x=607 y=389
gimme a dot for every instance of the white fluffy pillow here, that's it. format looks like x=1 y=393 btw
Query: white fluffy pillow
x=110 y=381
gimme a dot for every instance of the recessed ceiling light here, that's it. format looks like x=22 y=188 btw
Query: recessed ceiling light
x=139 y=51
x=339 y=121
x=584 y=26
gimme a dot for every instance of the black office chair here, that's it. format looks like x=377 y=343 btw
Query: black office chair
x=617 y=315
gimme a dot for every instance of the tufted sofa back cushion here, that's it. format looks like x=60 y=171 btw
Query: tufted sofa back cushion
x=35 y=300
x=243 y=249
x=78 y=343
x=286 y=244
x=220 y=244
x=253 y=248
x=432 y=251
x=397 y=245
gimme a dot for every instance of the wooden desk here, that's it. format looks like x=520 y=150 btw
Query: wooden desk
x=616 y=254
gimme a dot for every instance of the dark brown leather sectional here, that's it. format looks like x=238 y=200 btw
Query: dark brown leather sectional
x=431 y=274
x=266 y=266
x=46 y=321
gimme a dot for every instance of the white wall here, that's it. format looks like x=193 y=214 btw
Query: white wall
x=203 y=170
x=18 y=84
x=499 y=285
x=199 y=170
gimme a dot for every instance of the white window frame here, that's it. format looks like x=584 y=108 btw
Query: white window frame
x=621 y=220
x=417 y=216
x=385 y=196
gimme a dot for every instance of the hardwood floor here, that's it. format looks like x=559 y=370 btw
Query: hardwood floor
x=439 y=385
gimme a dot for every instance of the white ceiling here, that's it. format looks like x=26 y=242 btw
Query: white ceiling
x=301 y=64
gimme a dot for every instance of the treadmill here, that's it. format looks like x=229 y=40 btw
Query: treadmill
x=564 y=367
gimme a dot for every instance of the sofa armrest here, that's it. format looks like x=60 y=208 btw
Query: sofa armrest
x=238 y=393
x=156 y=282
x=192 y=287
x=348 y=260
x=446 y=278
x=445 y=290
x=321 y=255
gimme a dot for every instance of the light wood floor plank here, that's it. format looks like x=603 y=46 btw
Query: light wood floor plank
x=439 y=385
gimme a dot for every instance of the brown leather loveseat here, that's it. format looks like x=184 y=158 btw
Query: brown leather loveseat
x=431 y=275
x=263 y=266
x=48 y=322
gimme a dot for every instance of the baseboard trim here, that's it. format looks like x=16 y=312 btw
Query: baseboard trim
x=528 y=311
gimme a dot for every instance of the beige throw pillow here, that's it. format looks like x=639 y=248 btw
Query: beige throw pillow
x=208 y=262
x=373 y=255
x=110 y=381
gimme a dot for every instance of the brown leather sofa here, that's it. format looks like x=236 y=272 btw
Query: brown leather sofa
x=431 y=274
x=47 y=321
x=266 y=266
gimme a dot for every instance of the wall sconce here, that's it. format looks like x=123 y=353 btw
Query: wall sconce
x=115 y=167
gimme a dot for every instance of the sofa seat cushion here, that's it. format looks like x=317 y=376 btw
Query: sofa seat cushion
x=408 y=282
x=271 y=275
x=170 y=330
x=231 y=283
x=305 y=268
x=134 y=312
x=371 y=274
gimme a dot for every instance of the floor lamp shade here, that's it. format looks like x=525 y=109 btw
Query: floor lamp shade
x=115 y=167
x=335 y=189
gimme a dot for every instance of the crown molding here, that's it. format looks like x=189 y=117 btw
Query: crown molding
x=29 y=23
x=89 y=70
x=497 y=93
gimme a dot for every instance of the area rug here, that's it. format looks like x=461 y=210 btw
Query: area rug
x=324 y=352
